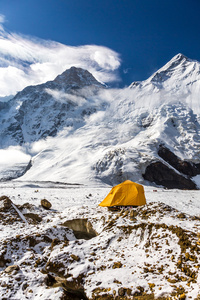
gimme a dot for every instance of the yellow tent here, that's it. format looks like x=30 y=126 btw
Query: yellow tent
x=125 y=194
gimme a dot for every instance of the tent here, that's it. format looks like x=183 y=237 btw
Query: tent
x=127 y=193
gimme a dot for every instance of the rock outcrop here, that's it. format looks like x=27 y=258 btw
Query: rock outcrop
x=161 y=174
x=176 y=174
x=185 y=167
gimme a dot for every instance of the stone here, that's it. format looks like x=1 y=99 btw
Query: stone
x=121 y=292
x=25 y=285
x=181 y=216
x=117 y=265
x=74 y=288
x=133 y=213
x=45 y=204
x=49 y=280
x=54 y=242
x=12 y=268
x=5 y=203
x=75 y=257
x=114 y=208
x=3 y=261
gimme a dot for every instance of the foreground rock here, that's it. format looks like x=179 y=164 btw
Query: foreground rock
x=45 y=204
x=5 y=203
x=82 y=228
x=11 y=269
x=9 y=213
x=148 y=252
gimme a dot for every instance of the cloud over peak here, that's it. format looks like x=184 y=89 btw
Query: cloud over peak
x=28 y=61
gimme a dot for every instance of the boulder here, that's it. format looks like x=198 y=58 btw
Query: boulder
x=45 y=204
x=121 y=292
x=12 y=268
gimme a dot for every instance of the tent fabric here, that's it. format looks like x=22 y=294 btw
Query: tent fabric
x=127 y=193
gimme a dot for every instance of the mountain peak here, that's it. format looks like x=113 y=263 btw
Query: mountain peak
x=180 y=66
x=180 y=57
x=178 y=60
x=77 y=78
x=176 y=65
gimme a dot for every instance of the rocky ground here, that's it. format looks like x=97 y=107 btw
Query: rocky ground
x=83 y=251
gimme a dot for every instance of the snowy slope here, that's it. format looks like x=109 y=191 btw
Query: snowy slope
x=103 y=134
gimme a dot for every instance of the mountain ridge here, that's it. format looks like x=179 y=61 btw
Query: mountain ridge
x=90 y=133
x=42 y=99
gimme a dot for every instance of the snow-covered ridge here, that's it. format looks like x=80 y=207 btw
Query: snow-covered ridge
x=75 y=130
x=178 y=80
x=42 y=110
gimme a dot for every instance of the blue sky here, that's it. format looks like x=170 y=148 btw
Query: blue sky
x=146 y=34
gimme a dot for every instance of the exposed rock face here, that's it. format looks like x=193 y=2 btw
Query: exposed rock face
x=185 y=167
x=163 y=175
x=82 y=228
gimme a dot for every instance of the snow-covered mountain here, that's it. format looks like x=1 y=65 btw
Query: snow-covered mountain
x=73 y=129
x=179 y=79
x=40 y=111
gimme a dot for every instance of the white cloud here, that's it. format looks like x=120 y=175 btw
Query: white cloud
x=2 y=20
x=126 y=71
x=13 y=155
x=64 y=97
x=28 y=61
